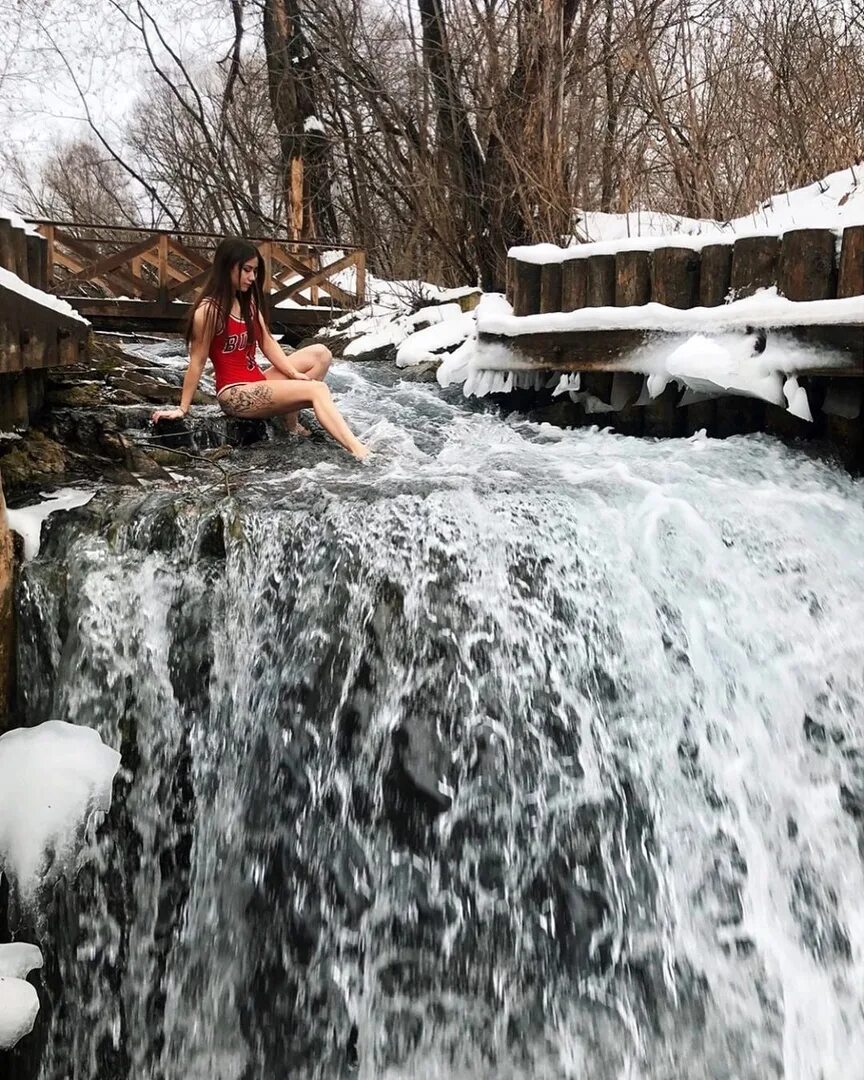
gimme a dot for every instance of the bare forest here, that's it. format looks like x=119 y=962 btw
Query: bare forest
x=439 y=134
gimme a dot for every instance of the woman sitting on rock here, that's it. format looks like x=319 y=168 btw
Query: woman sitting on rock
x=227 y=324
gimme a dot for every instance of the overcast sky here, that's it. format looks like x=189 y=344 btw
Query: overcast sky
x=47 y=46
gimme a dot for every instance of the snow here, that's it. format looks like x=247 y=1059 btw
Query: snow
x=27 y=521
x=727 y=363
x=766 y=308
x=19 y=1005
x=835 y=202
x=312 y=123
x=53 y=777
x=797 y=402
x=18 y=959
x=12 y=282
x=17 y=222
x=441 y=336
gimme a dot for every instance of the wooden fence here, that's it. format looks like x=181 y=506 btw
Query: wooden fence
x=119 y=272
x=33 y=336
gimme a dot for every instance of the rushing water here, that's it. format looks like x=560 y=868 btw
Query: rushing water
x=515 y=753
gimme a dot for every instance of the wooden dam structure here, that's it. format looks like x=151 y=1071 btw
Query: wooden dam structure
x=820 y=272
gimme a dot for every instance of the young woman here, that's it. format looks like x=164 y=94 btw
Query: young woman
x=227 y=324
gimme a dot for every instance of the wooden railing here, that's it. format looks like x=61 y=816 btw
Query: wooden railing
x=34 y=335
x=161 y=269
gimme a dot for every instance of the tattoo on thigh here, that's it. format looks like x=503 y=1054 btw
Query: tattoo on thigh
x=240 y=400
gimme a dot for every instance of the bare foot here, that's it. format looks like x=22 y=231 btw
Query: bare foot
x=361 y=452
x=298 y=429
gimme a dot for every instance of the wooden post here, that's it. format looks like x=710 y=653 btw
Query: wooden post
x=163 y=271
x=675 y=277
x=36 y=248
x=360 y=263
x=508 y=282
x=600 y=281
x=265 y=250
x=550 y=287
x=19 y=246
x=754 y=264
x=632 y=278
x=850 y=280
x=806 y=270
x=632 y=287
x=715 y=275
x=48 y=233
x=526 y=288
x=137 y=264
x=7 y=248
x=574 y=281
x=7 y=616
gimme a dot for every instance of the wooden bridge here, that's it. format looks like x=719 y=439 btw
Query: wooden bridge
x=122 y=278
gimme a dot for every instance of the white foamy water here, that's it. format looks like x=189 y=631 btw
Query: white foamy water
x=635 y=665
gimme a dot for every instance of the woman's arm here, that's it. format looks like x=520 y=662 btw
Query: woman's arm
x=276 y=354
x=198 y=351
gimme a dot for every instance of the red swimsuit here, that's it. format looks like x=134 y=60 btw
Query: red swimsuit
x=233 y=356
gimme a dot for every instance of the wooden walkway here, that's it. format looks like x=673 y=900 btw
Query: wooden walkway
x=121 y=278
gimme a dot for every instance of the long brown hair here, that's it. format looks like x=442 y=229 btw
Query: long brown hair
x=218 y=289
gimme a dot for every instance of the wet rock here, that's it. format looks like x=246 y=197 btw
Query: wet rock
x=813 y=731
x=381 y=354
x=421 y=764
x=173 y=433
x=34 y=456
x=211 y=538
x=245 y=432
x=852 y=802
x=422 y=373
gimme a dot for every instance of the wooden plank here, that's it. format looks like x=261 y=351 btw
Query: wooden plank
x=164 y=283
x=7 y=247
x=36 y=246
x=574 y=281
x=360 y=263
x=754 y=264
x=850 y=279
x=550 y=288
x=611 y=350
x=600 y=281
x=265 y=251
x=153 y=260
x=48 y=232
x=291 y=259
x=675 y=277
x=632 y=278
x=317 y=278
x=116 y=281
x=508 y=280
x=181 y=288
x=806 y=269
x=193 y=257
x=100 y=266
x=715 y=275
x=601 y=350
x=526 y=287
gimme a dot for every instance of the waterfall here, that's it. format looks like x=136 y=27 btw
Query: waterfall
x=516 y=753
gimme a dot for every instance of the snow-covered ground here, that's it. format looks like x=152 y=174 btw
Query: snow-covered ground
x=835 y=202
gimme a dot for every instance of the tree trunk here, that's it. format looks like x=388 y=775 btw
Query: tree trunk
x=304 y=149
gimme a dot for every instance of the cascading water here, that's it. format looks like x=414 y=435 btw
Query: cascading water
x=517 y=753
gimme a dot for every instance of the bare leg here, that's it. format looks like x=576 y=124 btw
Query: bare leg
x=278 y=397
x=314 y=361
